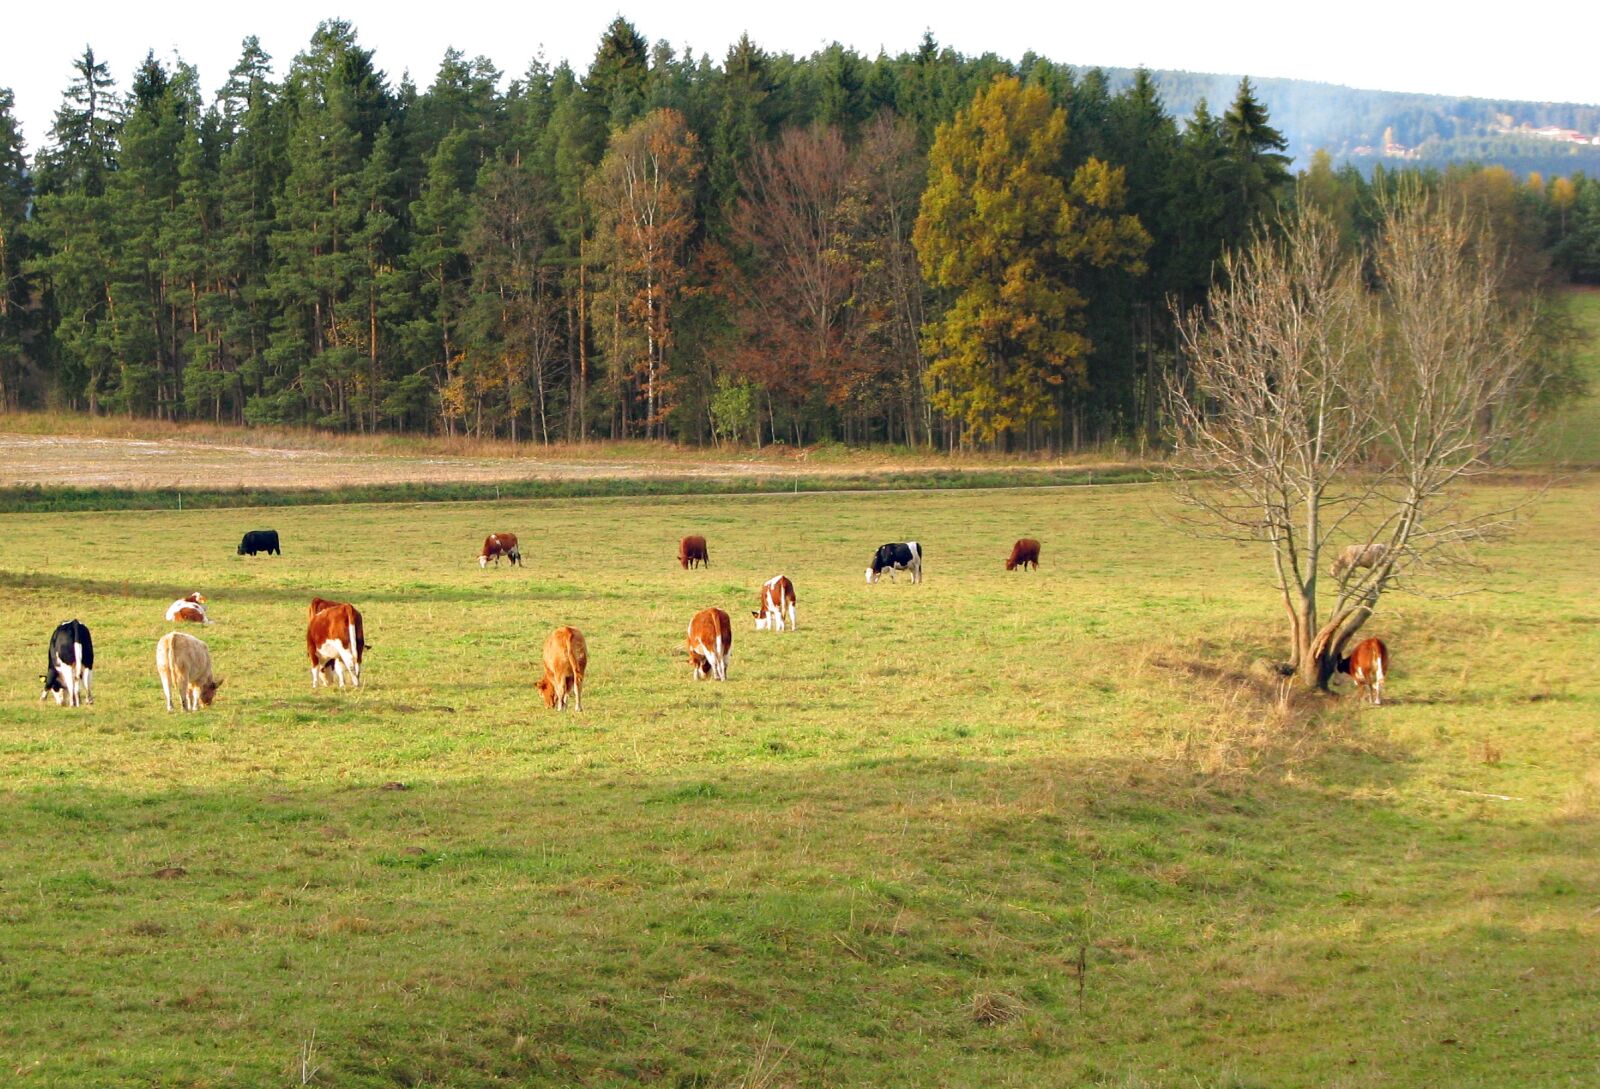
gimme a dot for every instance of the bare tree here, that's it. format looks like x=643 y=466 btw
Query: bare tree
x=1332 y=396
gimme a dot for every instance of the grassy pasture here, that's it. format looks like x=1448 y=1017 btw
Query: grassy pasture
x=996 y=829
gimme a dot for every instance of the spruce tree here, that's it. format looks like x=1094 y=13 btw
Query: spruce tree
x=1256 y=171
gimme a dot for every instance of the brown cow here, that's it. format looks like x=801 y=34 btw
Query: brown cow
x=1024 y=552
x=1367 y=665
x=710 y=644
x=336 y=641
x=777 y=599
x=191 y=608
x=500 y=544
x=184 y=662
x=566 y=656
x=692 y=550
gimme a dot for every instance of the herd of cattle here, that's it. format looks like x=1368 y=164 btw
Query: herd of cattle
x=336 y=638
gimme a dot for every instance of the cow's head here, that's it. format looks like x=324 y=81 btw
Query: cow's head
x=208 y=691
x=483 y=560
x=548 y=691
x=53 y=687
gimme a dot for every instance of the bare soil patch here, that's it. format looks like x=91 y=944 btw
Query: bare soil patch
x=87 y=462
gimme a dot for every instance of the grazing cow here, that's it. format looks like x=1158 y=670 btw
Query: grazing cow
x=69 y=666
x=1367 y=665
x=897 y=557
x=1353 y=556
x=777 y=599
x=191 y=608
x=566 y=656
x=260 y=540
x=500 y=544
x=336 y=642
x=710 y=644
x=1024 y=552
x=184 y=663
x=692 y=550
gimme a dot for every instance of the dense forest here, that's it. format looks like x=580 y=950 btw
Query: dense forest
x=927 y=249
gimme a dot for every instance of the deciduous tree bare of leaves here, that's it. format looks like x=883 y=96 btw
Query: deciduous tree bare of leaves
x=1334 y=397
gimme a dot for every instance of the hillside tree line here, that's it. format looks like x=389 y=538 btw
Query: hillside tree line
x=928 y=249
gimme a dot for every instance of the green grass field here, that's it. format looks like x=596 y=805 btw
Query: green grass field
x=994 y=830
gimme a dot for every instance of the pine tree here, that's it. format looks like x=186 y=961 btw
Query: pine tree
x=337 y=104
x=16 y=193
x=439 y=219
x=252 y=164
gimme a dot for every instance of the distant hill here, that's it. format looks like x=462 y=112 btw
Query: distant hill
x=1431 y=130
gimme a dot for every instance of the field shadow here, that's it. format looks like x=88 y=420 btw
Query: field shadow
x=167 y=591
x=922 y=881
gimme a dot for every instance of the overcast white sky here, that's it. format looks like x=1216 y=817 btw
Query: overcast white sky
x=1544 y=51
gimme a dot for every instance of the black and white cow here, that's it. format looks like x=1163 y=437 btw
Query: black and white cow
x=69 y=671
x=897 y=557
x=260 y=540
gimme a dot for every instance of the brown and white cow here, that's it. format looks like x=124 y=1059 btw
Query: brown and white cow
x=1024 y=552
x=336 y=642
x=710 y=644
x=776 y=602
x=500 y=544
x=1367 y=665
x=566 y=657
x=191 y=608
x=184 y=663
x=1353 y=556
x=692 y=550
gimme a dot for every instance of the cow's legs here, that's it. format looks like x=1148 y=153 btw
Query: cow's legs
x=166 y=689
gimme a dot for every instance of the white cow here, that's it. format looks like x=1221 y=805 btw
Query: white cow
x=184 y=662
x=1352 y=556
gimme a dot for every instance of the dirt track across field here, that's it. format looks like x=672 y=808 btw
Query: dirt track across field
x=138 y=463
x=85 y=462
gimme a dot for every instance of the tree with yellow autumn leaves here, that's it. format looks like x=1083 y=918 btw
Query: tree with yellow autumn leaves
x=1008 y=232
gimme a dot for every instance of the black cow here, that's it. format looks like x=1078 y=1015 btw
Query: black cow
x=897 y=557
x=69 y=670
x=260 y=540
